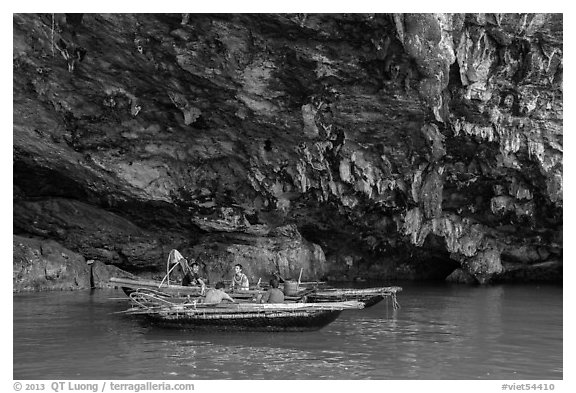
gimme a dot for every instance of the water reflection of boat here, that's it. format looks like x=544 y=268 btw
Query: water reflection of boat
x=160 y=309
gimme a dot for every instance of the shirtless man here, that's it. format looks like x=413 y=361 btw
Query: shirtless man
x=216 y=295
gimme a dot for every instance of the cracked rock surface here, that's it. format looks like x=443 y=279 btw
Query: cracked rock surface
x=345 y=146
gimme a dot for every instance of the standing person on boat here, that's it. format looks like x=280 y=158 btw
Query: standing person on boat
x=239 y=280
x=216 y=295
x=193 y=277
x=274 y=294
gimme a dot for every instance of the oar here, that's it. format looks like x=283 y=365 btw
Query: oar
x=299 y=278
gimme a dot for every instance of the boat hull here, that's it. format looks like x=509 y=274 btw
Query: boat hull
x=273 y=321
x=183 y=313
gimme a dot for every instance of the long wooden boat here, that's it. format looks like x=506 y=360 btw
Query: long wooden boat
x=299 y=291
x=129 y=286
x=368 y=296
x=163 y=311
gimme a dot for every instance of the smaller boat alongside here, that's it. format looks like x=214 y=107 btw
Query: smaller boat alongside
x=368 y=296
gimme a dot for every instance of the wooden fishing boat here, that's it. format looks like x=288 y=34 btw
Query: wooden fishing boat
x=295 y=291
x=295 y=294
x=192 y=314
x=368 y=296
x=129 y=286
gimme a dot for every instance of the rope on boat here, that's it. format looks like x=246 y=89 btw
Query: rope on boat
x=152 y=292
x=192 y=303
x=395 y=304
x=141 y=296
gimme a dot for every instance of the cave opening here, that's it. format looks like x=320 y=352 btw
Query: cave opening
x=37 y=182
x=434 y=262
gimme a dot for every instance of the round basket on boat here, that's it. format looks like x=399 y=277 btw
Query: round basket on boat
x=290 y=288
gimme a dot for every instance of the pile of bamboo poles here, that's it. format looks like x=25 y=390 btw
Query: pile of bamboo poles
x=237 y=316
x=354 y=292
x=145 y=302
x=368 y=296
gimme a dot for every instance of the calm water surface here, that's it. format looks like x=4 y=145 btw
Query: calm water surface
x=442 y=331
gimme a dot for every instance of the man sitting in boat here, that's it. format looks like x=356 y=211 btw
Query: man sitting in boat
x=192 y=278
x=216 y=295
x=239 y=280
x=273 y=295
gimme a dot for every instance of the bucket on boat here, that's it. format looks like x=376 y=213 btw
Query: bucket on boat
x=290 y=288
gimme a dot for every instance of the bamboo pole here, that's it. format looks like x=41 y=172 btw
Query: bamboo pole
x=312 y=282
x=364 y=291
x=145 y=301
x=299 y=279
x=165 y=310
x=199 y=314
x=167 y=276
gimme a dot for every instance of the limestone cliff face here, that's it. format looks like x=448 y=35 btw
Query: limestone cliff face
x=372 y=146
